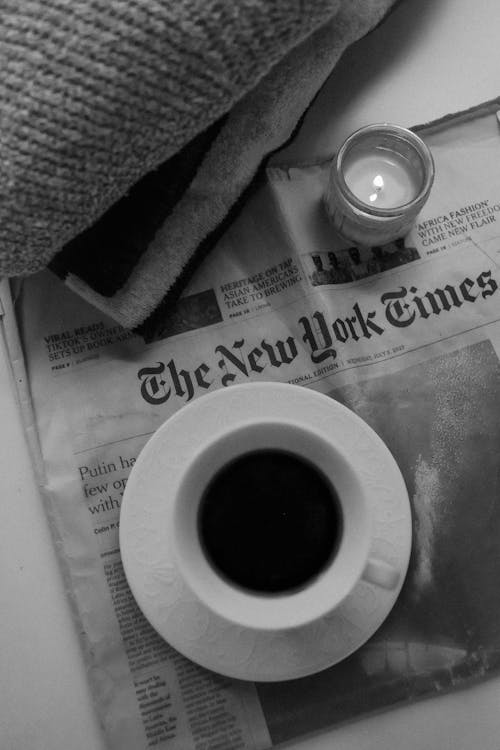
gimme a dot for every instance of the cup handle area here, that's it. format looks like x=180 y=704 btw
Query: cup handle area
x=381 y=574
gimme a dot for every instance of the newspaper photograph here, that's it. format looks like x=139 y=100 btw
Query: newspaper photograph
x=406 y=335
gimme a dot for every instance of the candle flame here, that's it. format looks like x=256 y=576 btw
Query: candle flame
x=378 y=184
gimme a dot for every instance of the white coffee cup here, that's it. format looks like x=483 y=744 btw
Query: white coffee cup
x=348 y=565
x=220 y=624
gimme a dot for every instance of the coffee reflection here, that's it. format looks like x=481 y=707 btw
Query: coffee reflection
x=269 y=521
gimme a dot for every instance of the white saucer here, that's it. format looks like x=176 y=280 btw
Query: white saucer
x=177 y=609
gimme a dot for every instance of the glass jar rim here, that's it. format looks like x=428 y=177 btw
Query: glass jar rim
x=398 y=133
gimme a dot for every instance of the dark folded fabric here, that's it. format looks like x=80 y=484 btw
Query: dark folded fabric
x=132 y=130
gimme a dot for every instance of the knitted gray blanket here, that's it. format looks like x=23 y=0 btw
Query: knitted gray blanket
x=131 y=130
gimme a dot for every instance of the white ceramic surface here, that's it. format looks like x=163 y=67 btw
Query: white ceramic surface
x=225 y=628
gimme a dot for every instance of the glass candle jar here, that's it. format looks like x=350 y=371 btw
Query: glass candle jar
x=379 y=181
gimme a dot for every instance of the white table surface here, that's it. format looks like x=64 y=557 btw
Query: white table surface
x=430 y=58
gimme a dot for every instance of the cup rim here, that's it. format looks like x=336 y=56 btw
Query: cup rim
x=283 y=610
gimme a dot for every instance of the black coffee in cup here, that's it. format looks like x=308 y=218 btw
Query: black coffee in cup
x=269 y=521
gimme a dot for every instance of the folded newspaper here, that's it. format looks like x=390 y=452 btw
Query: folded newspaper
x=407 y=335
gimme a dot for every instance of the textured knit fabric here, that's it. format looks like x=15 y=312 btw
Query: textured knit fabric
x=130 y=130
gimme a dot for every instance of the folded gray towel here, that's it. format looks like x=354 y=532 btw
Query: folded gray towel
x=131 y=130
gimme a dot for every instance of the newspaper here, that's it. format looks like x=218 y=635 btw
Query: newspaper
x=408 y=336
